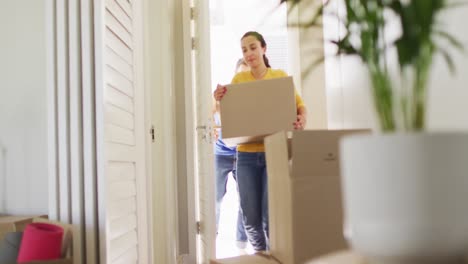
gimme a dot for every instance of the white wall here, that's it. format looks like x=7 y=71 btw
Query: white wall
x=23 y=123
x=448 y=94
x=348 y=87
x=311 y=49
x=348 y=95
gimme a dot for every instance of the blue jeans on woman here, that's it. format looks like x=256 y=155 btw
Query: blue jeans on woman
x=224 y=164
x=253 y=195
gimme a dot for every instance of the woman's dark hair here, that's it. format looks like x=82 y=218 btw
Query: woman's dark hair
x=260 y=38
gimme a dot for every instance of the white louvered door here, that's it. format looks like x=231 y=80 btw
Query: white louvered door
x=97 y=173
x=121 y=170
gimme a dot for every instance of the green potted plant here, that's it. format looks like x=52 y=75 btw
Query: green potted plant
x=404 y=188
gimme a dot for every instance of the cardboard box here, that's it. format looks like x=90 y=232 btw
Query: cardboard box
x=247 y=259
x=250 y=111
x=304 y=194
x=19 y=223
x=13 y=224
x=340 y=257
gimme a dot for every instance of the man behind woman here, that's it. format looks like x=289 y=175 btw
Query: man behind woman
x=225 y=163
x=251 y=166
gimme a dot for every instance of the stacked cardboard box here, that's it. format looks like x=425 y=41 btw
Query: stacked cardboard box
x=305 y=204
x=304 y=192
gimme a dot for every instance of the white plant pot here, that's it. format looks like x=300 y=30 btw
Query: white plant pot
x=406 y=196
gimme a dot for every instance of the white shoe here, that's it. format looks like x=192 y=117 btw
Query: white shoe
x=241 y=244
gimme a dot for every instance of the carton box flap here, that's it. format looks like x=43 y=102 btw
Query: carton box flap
x=258 y=108
x=279 y=195
x=15 y=219
x=13 y=223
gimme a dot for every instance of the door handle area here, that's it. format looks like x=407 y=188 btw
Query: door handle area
x=205 y=132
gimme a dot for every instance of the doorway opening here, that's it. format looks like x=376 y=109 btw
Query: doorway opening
x=229 y=20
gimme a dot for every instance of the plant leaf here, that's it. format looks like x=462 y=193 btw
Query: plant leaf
x=448 y=59
x=344 y=46
x=455 y=42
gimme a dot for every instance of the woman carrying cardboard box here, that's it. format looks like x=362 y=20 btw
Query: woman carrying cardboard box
x=251 y=165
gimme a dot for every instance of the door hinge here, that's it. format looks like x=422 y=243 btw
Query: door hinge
x=194 y=45
x=192 y=13
x=198 y=226
x=152 y=133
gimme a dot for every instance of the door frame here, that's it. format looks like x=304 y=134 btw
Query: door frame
x=201 y=201
x=168 y=71
x=190 y=133
x=159 y=61
x=168 y=51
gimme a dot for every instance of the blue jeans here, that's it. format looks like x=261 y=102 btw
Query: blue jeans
x=223 y=165
x=253 y=195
